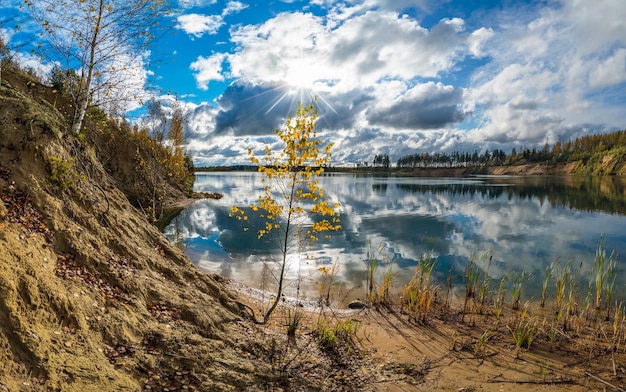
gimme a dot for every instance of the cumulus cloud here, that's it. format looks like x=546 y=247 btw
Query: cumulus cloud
x=198 y=25
x=426 y=106
x=208 y=69
x=233 y=7
x=300 y=48
x=246 y=109
x=363 y=72
x=385 y=83
x=609 y=72
x=544 y=74
x=196 y=3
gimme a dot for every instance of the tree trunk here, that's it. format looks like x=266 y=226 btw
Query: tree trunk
x=281 y=278
x=85 y=89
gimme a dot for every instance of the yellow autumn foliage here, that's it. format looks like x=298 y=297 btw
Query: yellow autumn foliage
x=292 y=203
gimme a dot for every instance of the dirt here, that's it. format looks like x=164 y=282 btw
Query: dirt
x=535 y=169
x=393 y=353
x=94 y=298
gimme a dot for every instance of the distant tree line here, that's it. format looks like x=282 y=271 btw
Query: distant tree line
x=580 y=149
x=454 y=159
x=382 y=160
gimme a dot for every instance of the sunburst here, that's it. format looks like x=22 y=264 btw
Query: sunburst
x=302 y=78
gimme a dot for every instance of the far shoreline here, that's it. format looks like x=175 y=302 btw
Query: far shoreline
x=457 y=172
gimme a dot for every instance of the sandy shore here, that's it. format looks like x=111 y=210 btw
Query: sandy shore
x=395 y=354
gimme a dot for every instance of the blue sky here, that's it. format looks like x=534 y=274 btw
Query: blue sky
x=392 y=77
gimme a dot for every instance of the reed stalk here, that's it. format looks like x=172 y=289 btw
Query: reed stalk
x=561 y=278
x=604 y=270
x=371 y=264
x=419 y=294
x=484 y=287
x=384 y=287
x=546 y=281
x=326 y=282
x=472 y=275
x=519 y=281
x=524 y=332
x=499 y=300
x=482 y=341
x=610 y=285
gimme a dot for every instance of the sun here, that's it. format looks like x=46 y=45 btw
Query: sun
x=302 y=78
x=301 y=73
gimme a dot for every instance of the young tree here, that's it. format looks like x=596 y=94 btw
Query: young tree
x=8 y=21
x=176 y=136
x=104 y=40
x=155 y=120
x=5 y=56
x=176 y=130
x=293 y=205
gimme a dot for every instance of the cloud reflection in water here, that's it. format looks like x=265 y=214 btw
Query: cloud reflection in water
x=525 y=223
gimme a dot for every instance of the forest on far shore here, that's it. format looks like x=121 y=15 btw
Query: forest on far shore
x=586 y=149
x=598 y=154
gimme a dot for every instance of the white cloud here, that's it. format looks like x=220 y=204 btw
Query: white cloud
x=361 y=51
x=426 y=106
x=596 y=27
x=233 y=7
x=208 y=69
x=609 y=72
x=198 y=25
x=196 y=3
x=477 y=39
x=388 y=84
x=546 y=71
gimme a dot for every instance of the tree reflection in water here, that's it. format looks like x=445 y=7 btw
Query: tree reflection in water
x=526 y=223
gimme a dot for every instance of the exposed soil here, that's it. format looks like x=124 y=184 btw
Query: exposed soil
x=94 y=298
x=525 y=169
x=535 y=169
x=391 y=353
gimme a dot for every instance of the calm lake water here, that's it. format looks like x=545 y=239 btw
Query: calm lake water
x=524 y=223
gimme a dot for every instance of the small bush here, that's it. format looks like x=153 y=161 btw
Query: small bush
x=332 y=336
x=62 y=172
x=292 y=321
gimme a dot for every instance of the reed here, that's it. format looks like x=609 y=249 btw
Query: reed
x=472 y=275
x=561 y=278
x=524 y=331
x=618 y=322
x=384 y=287
x=333 y=335
x=371 y=264
x=419 y=293
x=499 y=299
x=610 y=284
x=482 y=341
x=617 y=319
x=604 y=269
x=519 y=281
x=484 y=287
x=546 y=281
x=552 y=332
x=572 y=295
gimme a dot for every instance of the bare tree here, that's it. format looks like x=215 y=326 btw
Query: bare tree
x=7 y=21
x=5 y=56
x=104 y=41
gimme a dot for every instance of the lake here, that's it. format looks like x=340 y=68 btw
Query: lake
x=520 y=223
